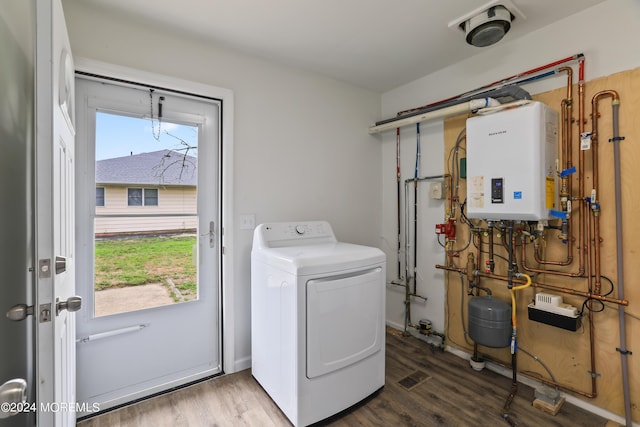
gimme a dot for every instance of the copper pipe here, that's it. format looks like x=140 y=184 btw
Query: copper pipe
x=563 y=134
x=569 y=72
x=569 y=106
x=592 y=326
x=568 y=260
x=595 y=209
x=581 y=161
x=523 y=254
x=596 y=212
x=567 y=162
x=568 y=291
x=471 y=267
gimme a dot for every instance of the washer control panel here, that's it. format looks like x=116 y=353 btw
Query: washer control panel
x=292 y=233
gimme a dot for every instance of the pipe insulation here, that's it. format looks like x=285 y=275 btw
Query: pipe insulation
x=502 y=94
x=442 y=113
x=407 y=117
x=512 y=80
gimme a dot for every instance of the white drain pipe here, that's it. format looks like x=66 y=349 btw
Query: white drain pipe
x=454 y=110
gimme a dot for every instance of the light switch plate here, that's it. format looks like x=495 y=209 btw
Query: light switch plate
x=435 y=190
x=247 y=222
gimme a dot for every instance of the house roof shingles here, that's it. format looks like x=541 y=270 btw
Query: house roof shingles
x=164 y=167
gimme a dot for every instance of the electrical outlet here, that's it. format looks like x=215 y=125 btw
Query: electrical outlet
x=247 y=222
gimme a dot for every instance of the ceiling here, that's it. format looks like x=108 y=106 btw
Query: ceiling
x=375 y=44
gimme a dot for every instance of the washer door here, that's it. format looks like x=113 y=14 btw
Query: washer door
x=344 y=320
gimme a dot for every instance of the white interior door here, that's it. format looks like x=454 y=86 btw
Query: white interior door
x=127 y=350
x=55 y=278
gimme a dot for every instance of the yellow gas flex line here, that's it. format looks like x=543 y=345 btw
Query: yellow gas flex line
x=512 y=291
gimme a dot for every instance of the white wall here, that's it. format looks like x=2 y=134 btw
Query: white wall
x=607 y=34
x=301 y=148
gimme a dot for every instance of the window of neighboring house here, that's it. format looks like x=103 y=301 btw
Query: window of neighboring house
x=142 y=197
x=99 y=196
x=151 y=197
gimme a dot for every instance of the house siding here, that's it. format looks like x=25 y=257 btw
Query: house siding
x=176 y=210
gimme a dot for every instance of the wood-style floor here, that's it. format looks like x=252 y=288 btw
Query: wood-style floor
x=452 y=395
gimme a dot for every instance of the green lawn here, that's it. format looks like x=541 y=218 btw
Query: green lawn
x=137 y=261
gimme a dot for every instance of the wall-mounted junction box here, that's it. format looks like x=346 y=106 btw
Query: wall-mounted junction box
x=511 y=163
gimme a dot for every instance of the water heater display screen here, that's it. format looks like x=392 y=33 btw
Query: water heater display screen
x=497 y=192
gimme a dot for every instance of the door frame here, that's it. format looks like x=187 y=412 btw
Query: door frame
x=55 y=329
x=226 y=97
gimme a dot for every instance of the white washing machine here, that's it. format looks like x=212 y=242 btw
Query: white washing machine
x=317 y=319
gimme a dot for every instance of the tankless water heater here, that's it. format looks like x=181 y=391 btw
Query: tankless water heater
x=511 y=163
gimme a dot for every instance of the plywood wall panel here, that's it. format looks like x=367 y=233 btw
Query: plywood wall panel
x=566 y=353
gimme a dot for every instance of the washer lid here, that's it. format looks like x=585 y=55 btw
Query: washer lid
x=321 y=258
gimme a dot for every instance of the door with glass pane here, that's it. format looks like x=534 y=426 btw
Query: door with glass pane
x=147 y=173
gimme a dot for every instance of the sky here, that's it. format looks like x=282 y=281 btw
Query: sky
x=119 y=136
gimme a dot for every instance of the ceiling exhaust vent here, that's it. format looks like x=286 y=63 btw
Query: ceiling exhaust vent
x=488 y=24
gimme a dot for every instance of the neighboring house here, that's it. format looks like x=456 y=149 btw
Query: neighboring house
x=146 y=193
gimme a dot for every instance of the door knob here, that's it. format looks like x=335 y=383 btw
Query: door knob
x=12 y=392
x=71 y=304
x=19 y=312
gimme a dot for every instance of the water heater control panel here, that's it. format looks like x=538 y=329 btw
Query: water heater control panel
x=511 y=163
x=497 y=192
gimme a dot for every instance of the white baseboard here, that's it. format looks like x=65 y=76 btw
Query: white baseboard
x=395 y=325
x=241 y=364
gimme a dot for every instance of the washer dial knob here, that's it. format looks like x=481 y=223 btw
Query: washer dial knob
x=300 y=229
